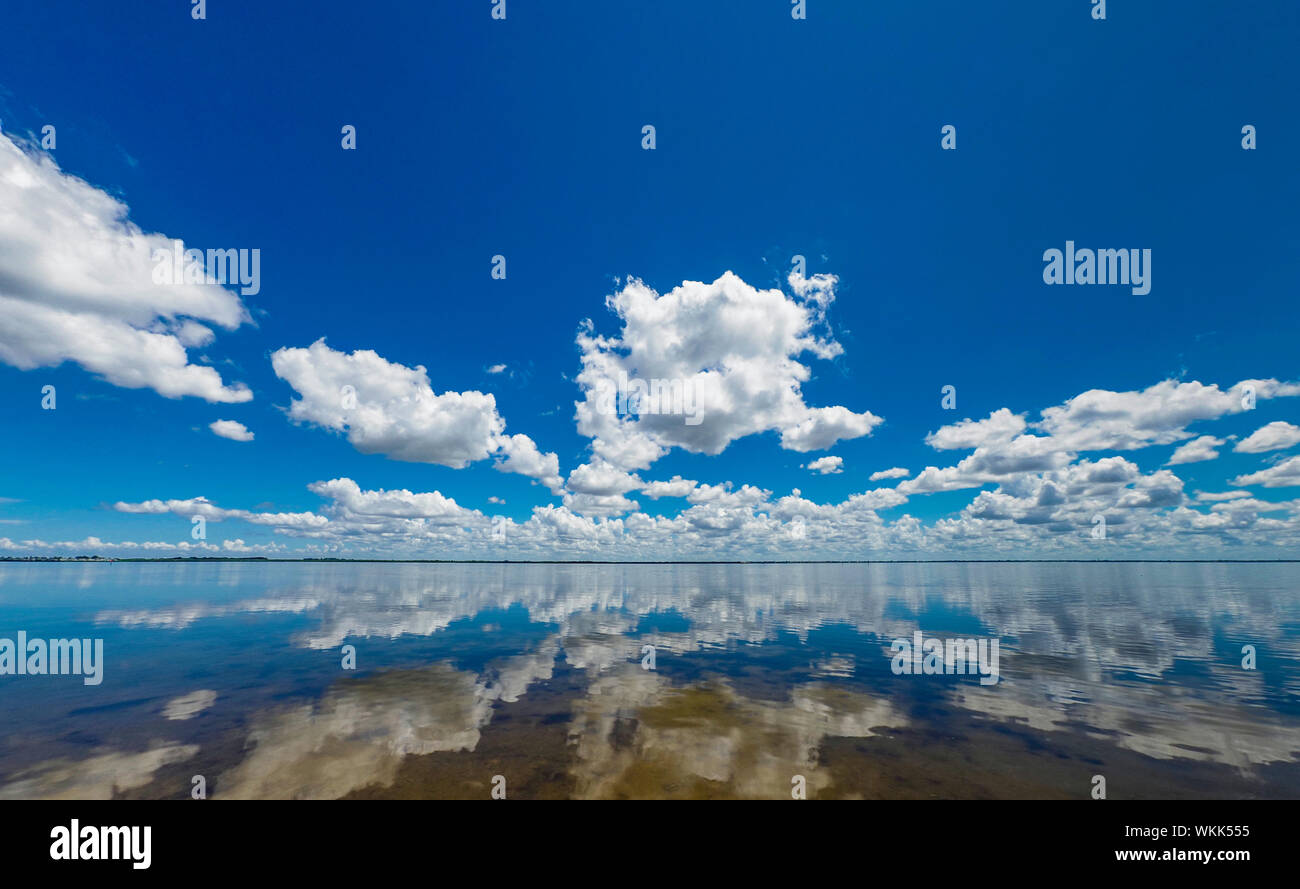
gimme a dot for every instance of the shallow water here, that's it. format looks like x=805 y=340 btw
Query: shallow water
x=766 y=678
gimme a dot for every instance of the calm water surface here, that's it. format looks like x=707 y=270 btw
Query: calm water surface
x=234 y=671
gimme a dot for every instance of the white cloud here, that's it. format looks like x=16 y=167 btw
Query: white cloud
x=729 y=345
x=724 y=495
x=1283 y=475
x=351 y=503
x=76 y=284
x=1000 y=426
x=600 y=504
x=390 y=409
x=1198 y=450
x=1273 y=437
x=387 y=408
x=95 y=546
x=601 y=478
x=1102 y=420
x=201 y=506
x=828 y=465
x=597 y=488
x=674 y=487
x=523 y=458
x=896 y=472
x=1213 y=497
x=991 y=464
x=1037 y=496
x=496 y=369
x=1024 y=464
x=1043 y=512
x=878 y=498
x=1252 y=504
x=932 y=480
x=231 y=429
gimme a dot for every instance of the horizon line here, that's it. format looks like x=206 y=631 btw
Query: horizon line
x=4 y=559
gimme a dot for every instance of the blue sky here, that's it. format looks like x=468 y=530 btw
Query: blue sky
x=775 y=137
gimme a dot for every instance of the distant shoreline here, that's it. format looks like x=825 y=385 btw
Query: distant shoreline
x=89 y=561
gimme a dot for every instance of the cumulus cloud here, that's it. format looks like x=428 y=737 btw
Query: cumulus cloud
x=201 y=506
x=1103 y=420
x=828 y=465
x=674 y=487
x=390 y=409
x=1029 y=464
x=1273 y=437
x=231 y=429
x=77 y=284
x=1036 y=495
x=1100 y=419
x=1000 y=426
x=1046 y=512
x=602 y=478
x=730 y=350
x=896 y=472
x=351 y=503
x=1197 y=450
x=1282 y=475
x=600 y=504
x=95 y=546
x=991 y=464
x=523 y=458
